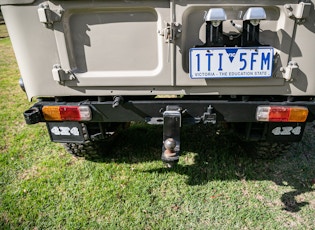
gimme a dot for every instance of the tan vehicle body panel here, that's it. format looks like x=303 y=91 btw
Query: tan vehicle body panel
x=118 y=47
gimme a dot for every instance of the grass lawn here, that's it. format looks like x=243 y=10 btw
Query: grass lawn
x=215 y=185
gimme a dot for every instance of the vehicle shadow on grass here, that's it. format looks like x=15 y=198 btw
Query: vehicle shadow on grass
x=210 y=154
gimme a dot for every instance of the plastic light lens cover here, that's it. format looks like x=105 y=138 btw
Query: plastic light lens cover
x=281 y=113
x=298 y=114
x=51 y=113
x=85 y=113
x=257 y=13
x=67 y=113
x=215 y=14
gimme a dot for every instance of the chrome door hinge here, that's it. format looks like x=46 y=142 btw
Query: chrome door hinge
x=60 y=75
x=48 y=16
x=171 y=32
x=298 y=12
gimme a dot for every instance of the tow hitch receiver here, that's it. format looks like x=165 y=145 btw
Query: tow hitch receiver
x=171 y=135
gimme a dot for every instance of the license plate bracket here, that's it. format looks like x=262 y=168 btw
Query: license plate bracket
x=231 y=62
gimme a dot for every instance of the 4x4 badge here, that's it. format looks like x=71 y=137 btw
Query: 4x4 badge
x=65 y=131
x=286 y=131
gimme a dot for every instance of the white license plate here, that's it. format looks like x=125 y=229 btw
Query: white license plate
x=231 y=62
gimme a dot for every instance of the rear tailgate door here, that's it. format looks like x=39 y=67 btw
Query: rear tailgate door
x=113 y=43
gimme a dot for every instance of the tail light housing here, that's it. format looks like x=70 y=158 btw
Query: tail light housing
x=281 y=113
x=67 y=113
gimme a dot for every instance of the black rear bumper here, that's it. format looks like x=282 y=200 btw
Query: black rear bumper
x=151 y=111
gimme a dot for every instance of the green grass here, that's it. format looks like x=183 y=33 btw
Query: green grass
x=215 y=185
x=3 y=30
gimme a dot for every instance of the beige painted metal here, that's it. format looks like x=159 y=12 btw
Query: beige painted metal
x=141 y=47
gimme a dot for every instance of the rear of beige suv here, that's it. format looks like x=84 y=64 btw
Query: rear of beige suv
x=95 y=66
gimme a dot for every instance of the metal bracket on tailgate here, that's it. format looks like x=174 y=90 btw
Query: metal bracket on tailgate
x=170 y=32
x=61 y=75
x=48 y=16
x=298 y=11
x=290 y=70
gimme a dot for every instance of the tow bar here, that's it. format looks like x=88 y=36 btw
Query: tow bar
x=171 y=135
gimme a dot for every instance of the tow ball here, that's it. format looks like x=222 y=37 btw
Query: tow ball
x=171 y=135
